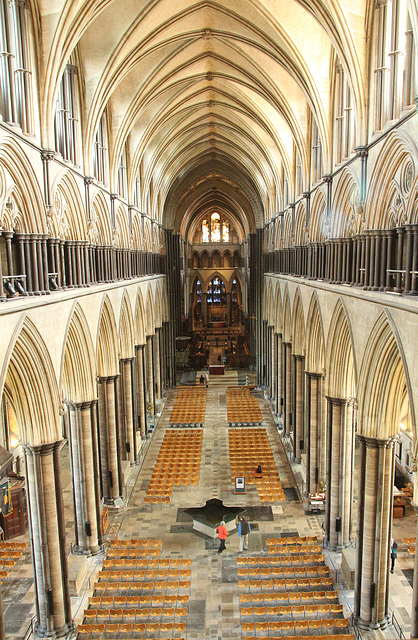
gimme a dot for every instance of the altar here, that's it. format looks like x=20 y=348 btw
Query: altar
x=216 y=370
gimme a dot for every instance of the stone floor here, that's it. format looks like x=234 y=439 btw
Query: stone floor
x=214 y=605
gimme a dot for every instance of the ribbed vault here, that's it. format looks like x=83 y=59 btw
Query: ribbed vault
x=206 y=92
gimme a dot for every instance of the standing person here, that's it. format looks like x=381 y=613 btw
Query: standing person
x=202 y=380
x=222 y=535
x=244 y=530
x=393 y=553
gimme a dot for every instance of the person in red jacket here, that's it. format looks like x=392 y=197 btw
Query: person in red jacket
x=222 y=535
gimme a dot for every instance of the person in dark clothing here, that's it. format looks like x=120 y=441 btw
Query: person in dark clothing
x=202 y=379
x=244 y=530
x=259 y=469
x=393 y=554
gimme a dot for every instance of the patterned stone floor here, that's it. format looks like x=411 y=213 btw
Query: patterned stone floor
x=214 y=605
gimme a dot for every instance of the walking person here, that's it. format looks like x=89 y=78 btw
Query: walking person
x=244 y=530
x=393 y=554
x=222 y=535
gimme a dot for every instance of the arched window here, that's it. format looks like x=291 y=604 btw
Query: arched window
x=198 y=291
x=216 y=292
x=234 y=290
x=66 y=121
x=15 y=76
x=216 y=229
x=100 y=152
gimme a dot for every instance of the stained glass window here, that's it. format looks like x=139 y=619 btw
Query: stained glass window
x=216 y=292
x=234 y=290
x=225 y=231
x=215 y=234
x=198 y=291
x=205 y=231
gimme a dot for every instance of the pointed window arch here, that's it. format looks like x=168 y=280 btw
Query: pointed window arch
x=66 y=115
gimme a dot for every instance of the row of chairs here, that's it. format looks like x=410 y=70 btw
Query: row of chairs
x=303 y=548
x=132 y=631
x=10 y=554
x=286 y=584
x=132 y=615
x=133 y=553
x=295 y=612
x=190 y=406
x=345 y=636
x=143 y=574
x=277 y=561
x=155 y=600
x=289 y=598
x=146 y=563
x=180 y=452
x=13 y=546
x=298 y=627
x=6 y=564
x=291 y=540
x=135 y=543
x=134 y=587
x=305 y=559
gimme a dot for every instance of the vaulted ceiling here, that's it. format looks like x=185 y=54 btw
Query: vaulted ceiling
x=214 y=100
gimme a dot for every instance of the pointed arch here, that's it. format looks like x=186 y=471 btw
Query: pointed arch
x=107 y=361
x=315 y=349
x=78 y=368
x=69 y=217
x=340 y=360
x=32 y=388
x=139 y=327
x=287 y=317
x=298 y=326
x=101 y=219
x=383 y=384
x=317 y=214
x=346 y=198
x=150 y=321
x=126 y=329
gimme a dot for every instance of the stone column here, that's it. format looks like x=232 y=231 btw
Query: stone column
x=109 y=454
x=339 y=473
x=157 y=363
x=287 y=386
x=47 y=533
x=127 y=408
x=414 y=625
x=279 y=378
x=374 y=520
x=273 y=377
x=150 y=371
x=83 y=471
x=298 y=444
x=313 y=416
x=142 y=411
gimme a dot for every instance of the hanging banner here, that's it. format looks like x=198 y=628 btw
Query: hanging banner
x=6 y=506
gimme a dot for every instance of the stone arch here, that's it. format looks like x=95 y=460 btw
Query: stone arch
x=68 y=219
x=346 y=199
x=78 y=369
x=122 y=227
x=315 y=350
x=268 y=304
x=126 y=329
x=317 y=215
x=287 y=317
x=215 y=261
x=32 y=389
x=278 y=319
x=23 y=188
x=393 y=184
x=300 y=224
x=139 y=327
x=136 y=232
x=340 y=360
x=150 y=313
x=383 y=384
x=298 y=326
x=101 y=220
x=107 y=361
x=195 y=260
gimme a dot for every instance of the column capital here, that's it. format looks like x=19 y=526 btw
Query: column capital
x=125 y=360
x=41 y=449
x=336 y=401
x=375 y=443
x=112 y=378
x=85 y=404
x=313 y=375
